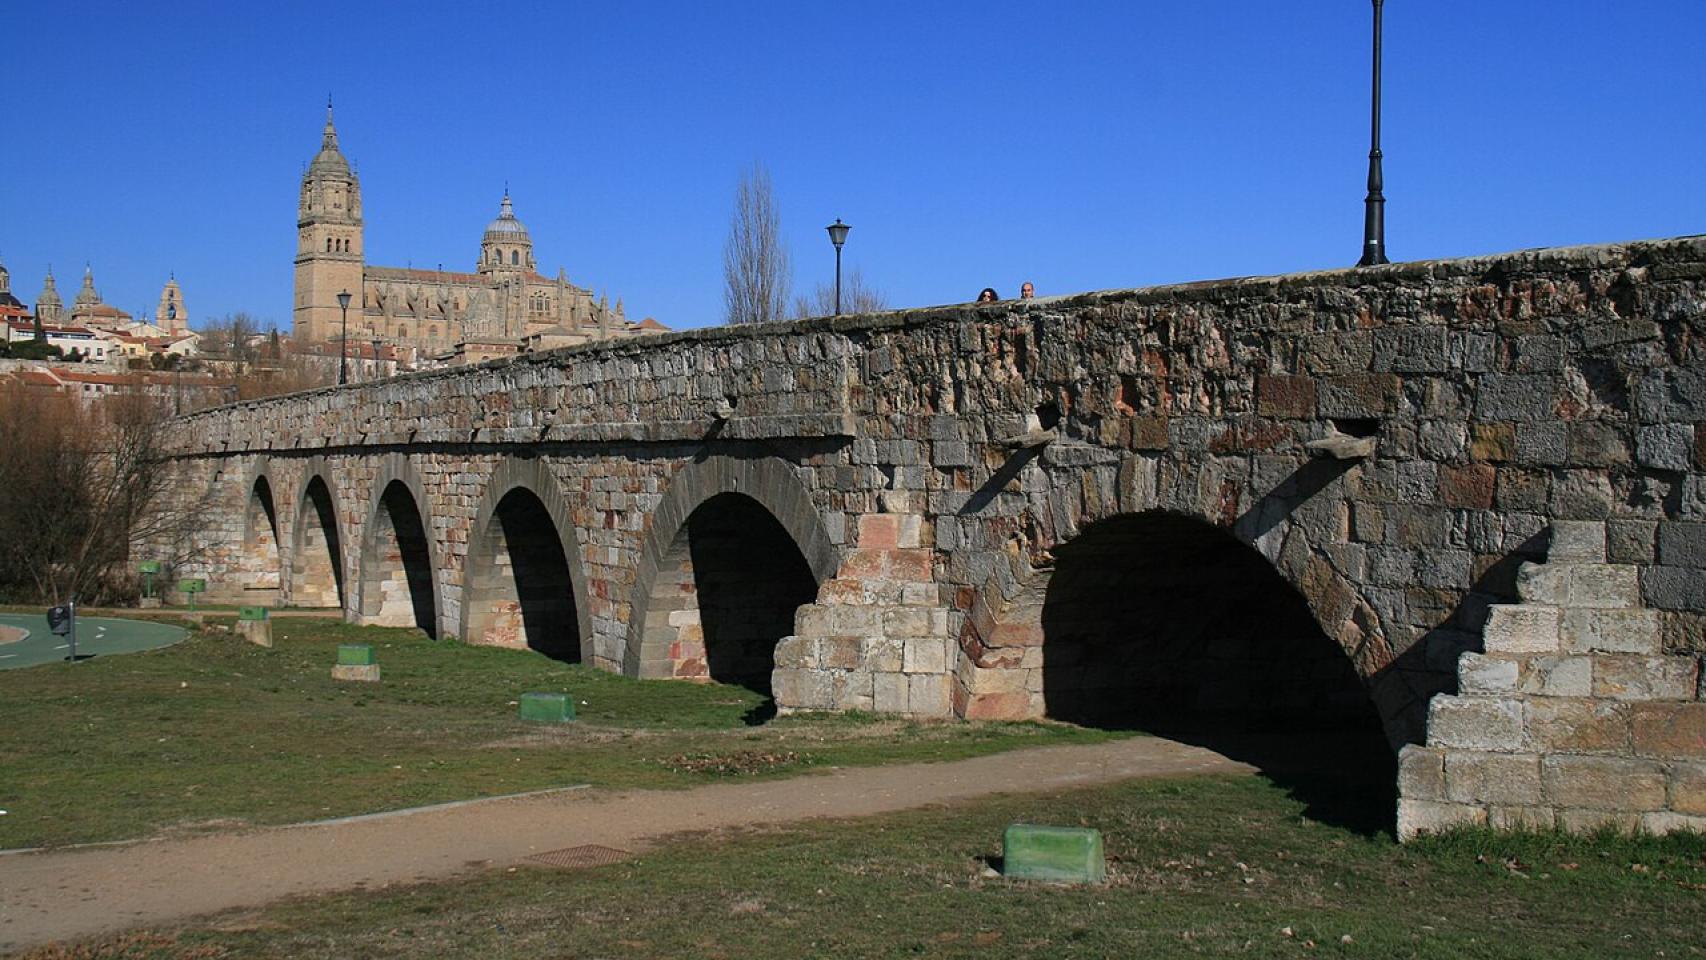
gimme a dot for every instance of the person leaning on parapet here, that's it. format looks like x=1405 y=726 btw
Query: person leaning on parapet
x=988 y=295
x=1026 y=291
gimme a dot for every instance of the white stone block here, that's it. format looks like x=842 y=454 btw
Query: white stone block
x=1521 y=628
x=1582 y=540
x=1611 y=631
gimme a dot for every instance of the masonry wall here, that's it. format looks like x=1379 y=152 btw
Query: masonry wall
x=929 y=462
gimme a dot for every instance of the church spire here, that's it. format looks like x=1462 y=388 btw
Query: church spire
x=329 y=139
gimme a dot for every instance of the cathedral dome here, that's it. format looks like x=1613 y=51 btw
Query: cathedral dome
x=506 y=226
x=330 y=160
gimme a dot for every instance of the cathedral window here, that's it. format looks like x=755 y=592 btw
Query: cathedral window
x=515 y=256
x=328 y=244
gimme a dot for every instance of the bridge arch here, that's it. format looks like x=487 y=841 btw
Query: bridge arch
x=317 y=574
x=1166 y=621
x=522 y=582
x=734 y=548
x=399 y=558
x=261 y=567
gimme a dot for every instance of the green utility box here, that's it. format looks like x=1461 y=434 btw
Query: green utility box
x=251 y=613
x=253 y=625
x=547 y=707
x=355 y=655
x=1060 y=854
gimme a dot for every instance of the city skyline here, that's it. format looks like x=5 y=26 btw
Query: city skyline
x=968 y=145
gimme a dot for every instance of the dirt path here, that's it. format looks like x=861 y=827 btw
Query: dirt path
x=91 y=890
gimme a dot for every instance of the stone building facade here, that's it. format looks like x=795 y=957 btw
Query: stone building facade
x=1301 y=499
x=504 y=299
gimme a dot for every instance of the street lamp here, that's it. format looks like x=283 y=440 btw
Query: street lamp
x=343 y=342
x=1374 y=207
x=378 y=371
x=838 y=236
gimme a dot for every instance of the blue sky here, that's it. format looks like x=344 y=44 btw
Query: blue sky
x=1081 y=146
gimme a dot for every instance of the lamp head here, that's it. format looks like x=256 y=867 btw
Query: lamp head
x=838 y=232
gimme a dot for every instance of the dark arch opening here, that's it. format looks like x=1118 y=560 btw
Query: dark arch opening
x=726 y=591
x=1169 y=624
x=260 y=549
x=519 y=589
x=317 y=569
x=397 y=588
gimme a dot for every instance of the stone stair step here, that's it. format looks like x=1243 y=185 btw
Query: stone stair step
x=1522 y=628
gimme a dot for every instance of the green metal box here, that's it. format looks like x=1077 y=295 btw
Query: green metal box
x=355 y=655
x=547 y=707
x=251 y=613
x=1060 y=854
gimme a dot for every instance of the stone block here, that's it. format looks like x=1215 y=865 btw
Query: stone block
x=1576 y=725
x=906 y=622
x=1285 y=396
x=356 y=672
x=927 y=695
x=841 y=653
x=1597 y=821
x=1634 y=677
x=1481 y=675
x=1675 y=731
x=1521 y=628
x=1544 y=583
x=1475 y=723
x=1421 y=773
x=1682 y=543
x=999 y=706
x=1419 y=817
x=1056 y=854
x=1674 y=588
x=1556 y=676
x=1688 y=788
x=1630 y=541
x=796 y=652
x=257 y=632
x=1469 y=487
x=889 y=692
x=926 y=655
x=884 y=654
x=1521 y=818
x=1610 y=631
x=547 y=707
x=1666 y=446
x=1606 y=585
x=879 y=531
x=1603 y=783
x=1494 y=442
x=1578 y=540
x=1661 y=822
x=1503 y=778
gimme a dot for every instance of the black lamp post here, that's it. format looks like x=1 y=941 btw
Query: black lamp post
x=838 y=236
x=343 y=342
x=1374 y=207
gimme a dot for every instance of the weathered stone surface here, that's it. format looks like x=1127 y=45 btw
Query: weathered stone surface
x=1610 y=631
x=1670 y=730
x=1421 y=772
x=1522 y=628
x=1576 y=725
x=1419 y=817
x=1475 y=723
x=1637 y=677
x=1556 y=676
x=1603 y=783
x=1688 y=788
x=1479 y=675
x=1577 y=540
x=1503 y=778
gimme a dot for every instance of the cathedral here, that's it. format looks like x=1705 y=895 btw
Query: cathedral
x=505 y=300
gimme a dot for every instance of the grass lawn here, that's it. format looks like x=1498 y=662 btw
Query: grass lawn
x=215 y=733
x=1198 y=867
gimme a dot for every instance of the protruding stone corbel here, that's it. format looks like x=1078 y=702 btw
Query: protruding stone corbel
x=1342 y=446
x=1030 y=439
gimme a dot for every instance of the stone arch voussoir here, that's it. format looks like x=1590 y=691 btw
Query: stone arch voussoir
x=773 y=483
x=319 y=467
x=398 y=468
x=533 y=475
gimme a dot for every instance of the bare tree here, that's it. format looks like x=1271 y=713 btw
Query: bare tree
x=756 y=276
x=231 y=336
x=83 y=482
x=857 y=296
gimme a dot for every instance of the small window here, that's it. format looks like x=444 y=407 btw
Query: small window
x=515 y=256
x=328 y=244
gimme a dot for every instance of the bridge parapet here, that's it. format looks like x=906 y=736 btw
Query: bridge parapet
x=1391 y=443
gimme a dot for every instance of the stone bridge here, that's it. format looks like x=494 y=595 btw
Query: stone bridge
x=1274 y=500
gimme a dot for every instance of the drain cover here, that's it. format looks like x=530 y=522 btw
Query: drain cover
x=591 y=855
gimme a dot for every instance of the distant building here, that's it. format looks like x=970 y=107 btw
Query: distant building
x=95 y=345
x=428 y=311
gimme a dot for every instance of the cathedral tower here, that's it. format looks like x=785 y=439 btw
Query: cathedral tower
x=505 y=247
x=48 y=304
x=328 y=241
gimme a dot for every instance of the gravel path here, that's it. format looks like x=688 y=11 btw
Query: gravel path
x=80 y=892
